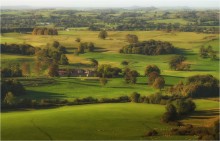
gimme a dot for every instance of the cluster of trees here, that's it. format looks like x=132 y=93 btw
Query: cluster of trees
x=23 y=49
x=86 y=47
x=55 y=54
x=9 y=89
x=208 y=53
x=107 y=71
x=179 y=108
x=44 y=31
x=130 y=76
x=198 y=21
x=177 y=63
x=20 y=30
x=150 y=47
x=197 y=86
x=154 y=78
x=13 y=70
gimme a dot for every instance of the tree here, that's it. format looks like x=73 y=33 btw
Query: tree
x=91 y=47
x=176 y=63
x=135 y=97
x=170 y=114
x=159 y=83
x=103 y=81
x=13 y=86
x=124 y=63
x=26 y=69
x=64 y=60
x=94 y=62
x=152 y=76
x=56 y=44
x=103 y=34
x=130 y=76
x=78 y=40
x=53 y=70
x=37 y=68
x=9 y=99
x=151 y=68
x=132 y=38
x=81 y=48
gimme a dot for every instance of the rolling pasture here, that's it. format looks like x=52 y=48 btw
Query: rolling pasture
x=96 y=121
x=105 y=121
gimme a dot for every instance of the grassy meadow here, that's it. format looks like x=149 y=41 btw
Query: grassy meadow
x=96 y=121
x=105 y=121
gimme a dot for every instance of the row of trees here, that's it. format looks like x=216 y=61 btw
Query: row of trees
x=150 y=47
x=154 y=78
x=23 y=49
x=44 y=31
x=86 y=47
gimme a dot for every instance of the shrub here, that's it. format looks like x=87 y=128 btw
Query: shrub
x=152 y=76
x=170 y=114
x=151 y=68
x=159 y=83
x=103 y=81
x=135 y=97
x=152 y=133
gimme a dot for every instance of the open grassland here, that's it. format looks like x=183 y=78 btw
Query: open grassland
x=70 y=88
x=97 y=121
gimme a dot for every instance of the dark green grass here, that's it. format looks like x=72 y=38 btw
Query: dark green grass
x=98 y=121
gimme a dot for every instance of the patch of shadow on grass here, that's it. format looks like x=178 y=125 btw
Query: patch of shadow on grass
x=203 y=114
x=182 y=51
x=46 y=95
x=100 y=49
x=78 y=83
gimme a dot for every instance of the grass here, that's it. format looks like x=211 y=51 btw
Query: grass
x=97 y=121
x=69 y=88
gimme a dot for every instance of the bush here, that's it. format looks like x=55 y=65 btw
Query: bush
x=135 y=97
x=12 y=86
x=170 y=114
x=151 y=68
x=152 y=133
x=155 y=98
x=103 y=81
x=185 y=107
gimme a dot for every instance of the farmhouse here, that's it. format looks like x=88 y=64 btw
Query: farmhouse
x=76 y=72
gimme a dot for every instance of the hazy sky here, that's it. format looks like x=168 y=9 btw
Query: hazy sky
x=111 y=3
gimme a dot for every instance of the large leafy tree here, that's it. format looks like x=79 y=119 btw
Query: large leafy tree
x=103 y=34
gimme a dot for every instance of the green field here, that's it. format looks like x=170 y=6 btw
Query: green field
x=101 y=121
x=96 y=121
